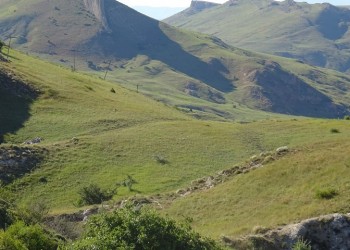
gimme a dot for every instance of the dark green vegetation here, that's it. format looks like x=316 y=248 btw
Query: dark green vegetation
x=140 y=229
x=315 y=33
x=23 y=237
x=194 y=72
x=93 y=194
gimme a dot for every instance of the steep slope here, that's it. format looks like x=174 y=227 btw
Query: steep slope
x=278 y=191
x=194 y=72
x=315 y=33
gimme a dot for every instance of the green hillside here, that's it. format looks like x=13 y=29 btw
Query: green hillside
x=314 y=33
x=93 y=135
x=194 y=72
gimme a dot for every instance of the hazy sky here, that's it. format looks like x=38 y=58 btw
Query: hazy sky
x=186 y=3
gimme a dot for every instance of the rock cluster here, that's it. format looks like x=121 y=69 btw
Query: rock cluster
x=15 y=86
x=255 y=162
x=17 y=161
x=33 y=141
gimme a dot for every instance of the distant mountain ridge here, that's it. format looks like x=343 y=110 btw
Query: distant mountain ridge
x=188 y=70
x=315 y=33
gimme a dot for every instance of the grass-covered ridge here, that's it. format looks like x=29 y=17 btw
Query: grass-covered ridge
x=314 y=33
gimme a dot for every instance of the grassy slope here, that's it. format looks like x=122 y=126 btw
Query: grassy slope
x=281 y=192
x=120 y=134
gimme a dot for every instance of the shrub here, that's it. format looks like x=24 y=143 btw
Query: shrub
x=128 y=182
x=112 y=90
x=31 y=213
x=140 y=229
x=20 y=236
x=327 y=194
x=93 y=194
x=2 y=44
x=347 y=117
x=301 y=245
x=335 y=131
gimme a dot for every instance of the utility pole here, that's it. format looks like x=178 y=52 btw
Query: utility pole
x=9 y=45
x=110 y=62
x=74 y=52
x=74 y=56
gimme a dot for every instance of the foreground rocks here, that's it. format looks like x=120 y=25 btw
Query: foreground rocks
x=14 y=85
x=329 y=232
x=17 y=161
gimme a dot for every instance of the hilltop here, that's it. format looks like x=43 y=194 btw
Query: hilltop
x=314 y=33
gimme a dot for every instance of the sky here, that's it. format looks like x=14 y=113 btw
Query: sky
x=186 y=3
x=161 y=9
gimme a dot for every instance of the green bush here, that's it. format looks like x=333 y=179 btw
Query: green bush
x=22 y=237
x=128 y=182
x=327 y=194
x=93 y=194
x=347 y=117
x=301 y=245
x=140 y=229
x=335 y=131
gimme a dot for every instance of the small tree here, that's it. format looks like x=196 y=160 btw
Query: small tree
x=93 y=194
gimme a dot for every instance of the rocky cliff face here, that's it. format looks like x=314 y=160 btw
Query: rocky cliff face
x=330 y=232
x=97 y=7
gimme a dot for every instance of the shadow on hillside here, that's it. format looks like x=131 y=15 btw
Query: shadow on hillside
x=132 y=34
x=15 y=100
x=333 y=22
x=288 y=94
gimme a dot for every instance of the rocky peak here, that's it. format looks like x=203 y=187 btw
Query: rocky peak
x=202 y=5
